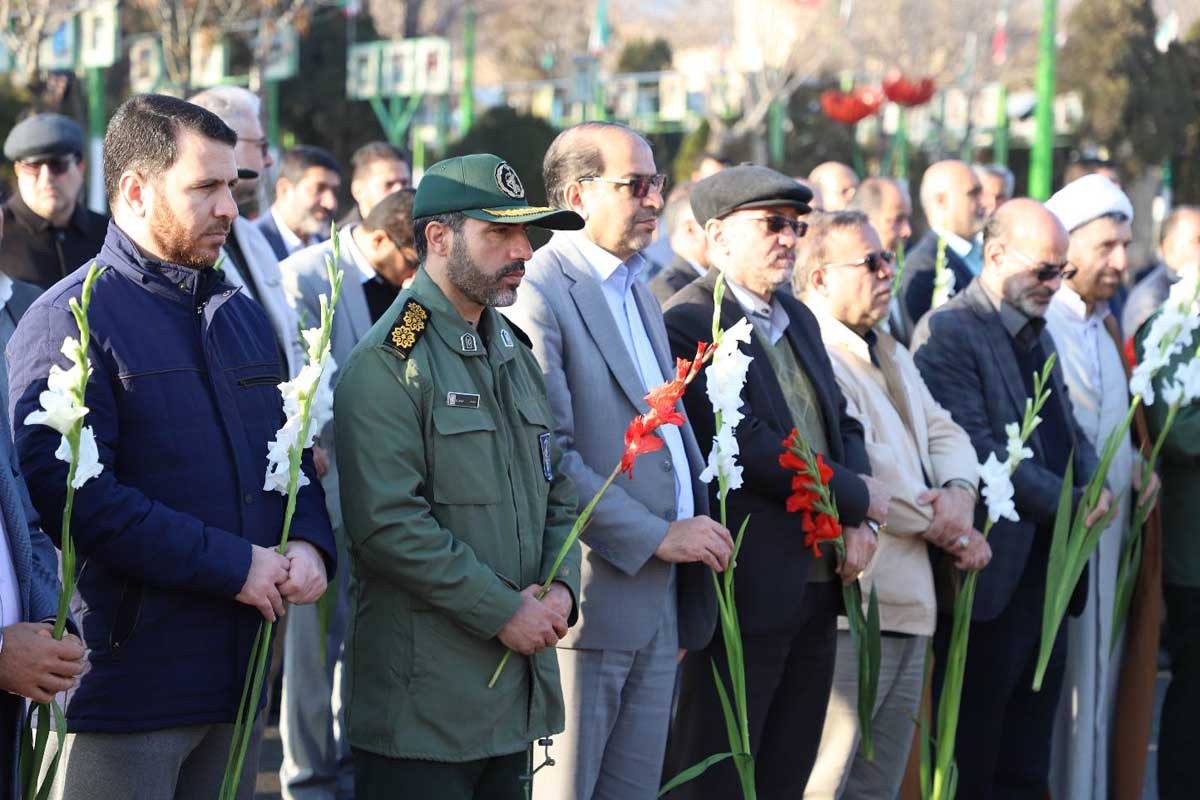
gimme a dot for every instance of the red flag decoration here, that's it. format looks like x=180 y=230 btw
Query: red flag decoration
x=904 y=92
x=850 y=108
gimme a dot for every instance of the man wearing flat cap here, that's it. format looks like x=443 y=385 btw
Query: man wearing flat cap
x=788 y=599
x=48 y=231
x=1098 y=217
x=455 y=505
x=598 y=336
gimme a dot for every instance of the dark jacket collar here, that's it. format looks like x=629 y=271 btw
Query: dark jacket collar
x=80 y=219
x=1024 y=330
x=185 y=285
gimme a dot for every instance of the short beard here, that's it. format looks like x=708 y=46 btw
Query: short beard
x=474 y=284
x=174 y=241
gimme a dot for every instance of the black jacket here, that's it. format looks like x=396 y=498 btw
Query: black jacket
x=665 y=284
x=35 y=252
x=916 y=283
x=773 y=563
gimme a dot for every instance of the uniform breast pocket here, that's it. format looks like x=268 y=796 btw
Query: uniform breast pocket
x=539 y=439
x=467 y=469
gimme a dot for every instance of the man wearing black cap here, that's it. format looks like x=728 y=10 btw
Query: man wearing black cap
x=47 y=230
x=788 y=600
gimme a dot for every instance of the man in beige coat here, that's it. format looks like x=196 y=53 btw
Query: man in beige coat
x=927 y=461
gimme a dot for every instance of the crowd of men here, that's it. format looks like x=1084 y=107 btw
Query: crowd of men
x=483 y=391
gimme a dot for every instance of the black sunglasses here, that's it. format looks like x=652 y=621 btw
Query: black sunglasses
x=777 y=224
x=1047 y=272
x=875 y=261
x=57 y=166
x=639 y=185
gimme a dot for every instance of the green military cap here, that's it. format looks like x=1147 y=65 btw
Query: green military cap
x=485 y=187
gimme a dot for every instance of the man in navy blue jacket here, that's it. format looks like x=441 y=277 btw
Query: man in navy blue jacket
x=175 y=536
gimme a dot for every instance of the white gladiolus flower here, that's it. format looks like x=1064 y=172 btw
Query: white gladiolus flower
x=725 y=377
x=998 y=489
x=59 y=411
x=1017 y=451
x=1172 y=393
x=1188 y=376
x=722 y=460
x=943 y=286
x=89 y=465
x=312 y=382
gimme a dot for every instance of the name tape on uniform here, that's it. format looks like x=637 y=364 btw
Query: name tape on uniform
x=462 y=400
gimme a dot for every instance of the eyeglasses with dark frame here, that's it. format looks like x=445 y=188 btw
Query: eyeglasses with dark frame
x=58 y=165
x=875 y=261
x=777 y=224
x=1046 y=272
x=263 y=144
x=639 y=185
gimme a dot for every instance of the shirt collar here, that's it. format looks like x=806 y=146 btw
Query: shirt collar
x=769 y=319
x=701 y=271
x=836 y=333
x=604 y=265
x=290 y=240
x=1022 y=329
x=959 y=245
x=6 y=290
x=1068 y=301
x=368 y=272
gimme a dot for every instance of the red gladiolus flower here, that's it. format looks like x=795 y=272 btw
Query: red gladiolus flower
x=1131 y=353
x=902 y=91
x=662 y=399
x=802 y=500
x=639 y=440
x=849 y=108
x=823 y=529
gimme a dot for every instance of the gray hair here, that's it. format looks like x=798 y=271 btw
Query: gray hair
x=814 y=252
x=997 y=171
x=229 y=102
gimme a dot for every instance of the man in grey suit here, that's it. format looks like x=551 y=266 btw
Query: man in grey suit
x=378 y=257
x=305 y=200
x=598 y=334
x=32 y=664
x=249 y=260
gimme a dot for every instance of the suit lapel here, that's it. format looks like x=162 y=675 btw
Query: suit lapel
x=354 y=300
x=655 y=331
x=593 y=310
x=998 y=342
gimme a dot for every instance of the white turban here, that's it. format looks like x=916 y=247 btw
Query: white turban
x=1086 y=199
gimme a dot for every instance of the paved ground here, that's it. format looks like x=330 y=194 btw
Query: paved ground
x=268 y=776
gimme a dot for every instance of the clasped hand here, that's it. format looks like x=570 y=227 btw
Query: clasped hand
x=298 y=576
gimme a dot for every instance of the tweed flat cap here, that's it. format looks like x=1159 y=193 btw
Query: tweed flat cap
x=44 y=135
x=747 y=186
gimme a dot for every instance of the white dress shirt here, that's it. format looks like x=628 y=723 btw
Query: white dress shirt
x=10 y=598
x=616 y=279
x=366 y=271
x=291 y=241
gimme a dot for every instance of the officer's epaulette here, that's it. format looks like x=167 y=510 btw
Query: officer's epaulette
x=520 y=334
x=408 y=328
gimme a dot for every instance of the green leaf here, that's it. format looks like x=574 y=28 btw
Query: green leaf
x=692 y=772
x=731 y=728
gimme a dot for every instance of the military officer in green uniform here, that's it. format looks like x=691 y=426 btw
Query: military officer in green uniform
x=455 y=507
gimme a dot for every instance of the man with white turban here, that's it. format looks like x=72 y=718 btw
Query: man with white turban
x=1098 y=216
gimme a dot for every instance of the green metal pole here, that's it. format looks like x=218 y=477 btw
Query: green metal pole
x=1000 y=139
x=95 y=151
x=466 y=102
x=1041 y=164
x=775 y=133
x=271 y=92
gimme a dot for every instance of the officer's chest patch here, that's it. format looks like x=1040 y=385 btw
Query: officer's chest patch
x=462 y=400
x=544 y=448
x=408 y=328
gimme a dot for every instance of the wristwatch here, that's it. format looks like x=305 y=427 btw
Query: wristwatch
x=875 y=526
